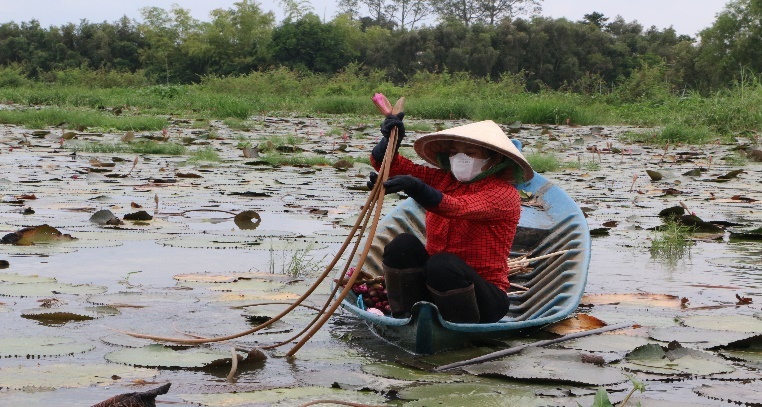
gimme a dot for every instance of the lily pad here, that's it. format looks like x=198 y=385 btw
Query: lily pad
x=70 y=375
x=120 y=339
x=606 y=343
x=231 y=278
x=140 y=299
x=749 y=350
x=160 y=356
x=703 y=338
x=244 y=220
x=652 y=358
x=20 y=278
x=47 y=289
x=55 y=317
x=749 y=394
x=60 y=316
x=549 y=365
x=752 y=357
x=395 y=371
x=38 y=347
x=479 y=399
x=734 y=323
x=289 y=396
x=752 y=235
x=36 y=234
x=105 y=217
x=434 y=391
x=243 y=242
x=635 y=299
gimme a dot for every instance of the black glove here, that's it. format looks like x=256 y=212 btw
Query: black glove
x=386 y=130
x=372 y=178
x=391 y=122
x=413 y=187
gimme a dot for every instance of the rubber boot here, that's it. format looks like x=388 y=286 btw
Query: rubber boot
x=457 y=305
x=404 y=287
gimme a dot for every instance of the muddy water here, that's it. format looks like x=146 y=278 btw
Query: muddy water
x=306 y=212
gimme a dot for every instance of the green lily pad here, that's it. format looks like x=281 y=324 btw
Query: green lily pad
x=749 y=394
x=120 y=339
x=160 y=356
x=606 y=343
x=55 y=317
x=36 y=234
x=69 y=375
x=744 y=263
x=62 y=315
x=243 y=242
x=20 y=278
x=105 y=217
x=652 y=358
x=734 y=323
x=38 y=347
x=437 y=390
x=48 y=289
x=752 y=357
x=482 y=399
x=276 y=397
x=748 y=350
x=703 y=338
x=537 y=364
x=395 y=371
x=140 y=299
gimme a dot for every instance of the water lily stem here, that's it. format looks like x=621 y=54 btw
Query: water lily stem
x=234 y=364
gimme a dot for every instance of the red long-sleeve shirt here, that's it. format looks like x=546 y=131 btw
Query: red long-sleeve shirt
x=475 y=221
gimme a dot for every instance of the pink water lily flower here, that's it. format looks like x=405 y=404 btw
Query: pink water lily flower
x=382 y=103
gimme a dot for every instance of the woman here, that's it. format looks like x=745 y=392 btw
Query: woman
x=473 y=209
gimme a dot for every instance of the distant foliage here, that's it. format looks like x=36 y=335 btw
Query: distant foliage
x=502 y=41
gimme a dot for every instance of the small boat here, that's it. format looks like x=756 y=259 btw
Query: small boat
x=550 y=222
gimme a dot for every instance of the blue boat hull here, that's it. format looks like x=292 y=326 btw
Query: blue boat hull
x=550 y=222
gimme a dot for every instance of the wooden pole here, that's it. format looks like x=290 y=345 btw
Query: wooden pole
x=517 y=349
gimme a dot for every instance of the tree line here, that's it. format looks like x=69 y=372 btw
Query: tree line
x=488 y=40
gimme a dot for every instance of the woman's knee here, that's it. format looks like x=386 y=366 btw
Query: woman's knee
x=405 y=251
x=446 y=271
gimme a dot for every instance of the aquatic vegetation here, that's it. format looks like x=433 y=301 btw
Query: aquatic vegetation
x=207 y=153
x=671 y=242
x=543 y=162
x=137 y=147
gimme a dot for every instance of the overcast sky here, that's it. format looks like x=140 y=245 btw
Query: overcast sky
x=686 y=16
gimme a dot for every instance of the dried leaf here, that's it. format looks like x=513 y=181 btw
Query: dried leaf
x=244 y=220
x=743 y=300
x=146 y=398
x=577 y=323
x=35 y=234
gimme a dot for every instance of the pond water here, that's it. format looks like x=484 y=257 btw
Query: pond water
x=175 y=273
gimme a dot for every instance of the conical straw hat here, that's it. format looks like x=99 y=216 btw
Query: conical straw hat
x=486 y=134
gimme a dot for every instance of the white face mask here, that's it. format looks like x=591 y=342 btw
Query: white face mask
x=466 y=168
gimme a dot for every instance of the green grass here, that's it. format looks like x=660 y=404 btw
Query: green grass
x=673 y=134
x=671 y=242
x=419 y=127
x=738 y=159
x=138 y=147
x=72 y=118
x=207 y=153
x=297 y=160
x=84 y=98
x=543 y=162
x=271 y=143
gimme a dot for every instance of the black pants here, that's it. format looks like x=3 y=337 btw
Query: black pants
x=445 y=272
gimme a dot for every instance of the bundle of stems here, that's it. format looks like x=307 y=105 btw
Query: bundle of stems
x=524 y=261
x=371 y=209
x=520 y=265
